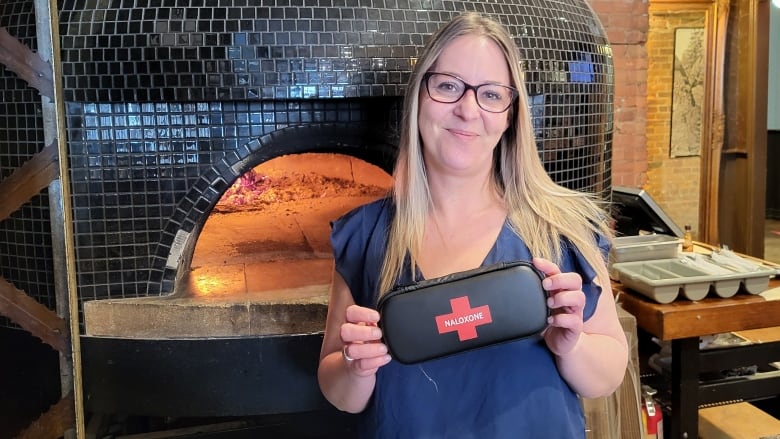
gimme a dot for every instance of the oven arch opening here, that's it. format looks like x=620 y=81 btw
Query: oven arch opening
x=268 y=236
x=373 y=142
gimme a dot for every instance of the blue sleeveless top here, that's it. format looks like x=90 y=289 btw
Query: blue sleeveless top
x=510 y=390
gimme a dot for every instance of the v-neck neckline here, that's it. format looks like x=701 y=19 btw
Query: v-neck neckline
x=489 y=256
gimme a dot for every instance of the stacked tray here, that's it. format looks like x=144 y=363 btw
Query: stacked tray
x=664 y=279
x=644 y=247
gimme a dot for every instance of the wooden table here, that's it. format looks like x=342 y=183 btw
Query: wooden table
x=682 y=323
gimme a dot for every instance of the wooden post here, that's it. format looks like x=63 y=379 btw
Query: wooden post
x=47 y=24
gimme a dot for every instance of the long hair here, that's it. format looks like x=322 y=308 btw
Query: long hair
x=541 y=212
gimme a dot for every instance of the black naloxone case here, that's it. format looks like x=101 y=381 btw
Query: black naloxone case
x=462 y=311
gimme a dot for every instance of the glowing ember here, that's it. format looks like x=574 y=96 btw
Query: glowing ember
x=246 y=190
x=255 y=191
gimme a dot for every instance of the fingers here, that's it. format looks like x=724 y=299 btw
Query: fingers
x=567 y=320
x=565 y=296
x=546 y=266
x=558 y=284
x=555 y=280
x=569 y=300
x=363 y=351
x=567 y=303
x=360 y=325
x=357 y=314
x=367 y=366
x=365 y=357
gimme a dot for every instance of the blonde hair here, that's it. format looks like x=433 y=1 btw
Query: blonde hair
x=541 y=212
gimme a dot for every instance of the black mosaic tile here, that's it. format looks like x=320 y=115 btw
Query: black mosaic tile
x=227 y=32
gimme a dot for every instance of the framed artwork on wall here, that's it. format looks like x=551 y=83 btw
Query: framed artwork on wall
x=688 y=86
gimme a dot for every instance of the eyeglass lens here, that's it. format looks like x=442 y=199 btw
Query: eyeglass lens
x=448 y=89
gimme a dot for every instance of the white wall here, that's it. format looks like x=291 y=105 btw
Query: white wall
x=773 y=109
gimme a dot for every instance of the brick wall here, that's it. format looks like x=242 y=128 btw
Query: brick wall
x=626 y=23
x=674 y=182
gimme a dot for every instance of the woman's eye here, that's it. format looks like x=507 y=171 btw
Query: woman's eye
x=492 y=95
x=448 y=87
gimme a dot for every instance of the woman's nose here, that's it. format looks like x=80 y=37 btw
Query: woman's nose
x=467 y=107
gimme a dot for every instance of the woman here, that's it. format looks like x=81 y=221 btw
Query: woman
x=469 y=190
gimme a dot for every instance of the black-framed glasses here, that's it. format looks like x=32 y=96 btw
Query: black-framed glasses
x=448 y=89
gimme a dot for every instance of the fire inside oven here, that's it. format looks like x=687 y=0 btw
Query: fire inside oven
x=267 y=239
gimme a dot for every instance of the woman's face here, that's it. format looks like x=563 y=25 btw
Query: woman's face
x=459 y=138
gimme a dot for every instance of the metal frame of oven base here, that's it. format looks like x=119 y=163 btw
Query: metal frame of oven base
x=202 y=377
x=688 y=362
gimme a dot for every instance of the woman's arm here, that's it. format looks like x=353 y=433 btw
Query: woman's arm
x=597 y=364
x=592 y=356
x=350 y=329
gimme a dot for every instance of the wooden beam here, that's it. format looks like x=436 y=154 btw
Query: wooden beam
x=47 y=26
x=19 y=59
x=34 y=317
x=54 y=423
x=28 y=180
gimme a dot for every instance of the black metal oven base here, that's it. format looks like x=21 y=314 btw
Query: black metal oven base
x=202 y=377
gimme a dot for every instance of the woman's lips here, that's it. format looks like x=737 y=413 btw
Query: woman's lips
x=462 y=133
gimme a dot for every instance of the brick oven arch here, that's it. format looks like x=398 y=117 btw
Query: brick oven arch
x=172 y=260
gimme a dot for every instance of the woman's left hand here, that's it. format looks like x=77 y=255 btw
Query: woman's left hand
x=566 y=302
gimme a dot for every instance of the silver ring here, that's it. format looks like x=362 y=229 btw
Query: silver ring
x=346 y=356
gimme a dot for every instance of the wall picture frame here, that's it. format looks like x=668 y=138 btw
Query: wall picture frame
x=688 y=87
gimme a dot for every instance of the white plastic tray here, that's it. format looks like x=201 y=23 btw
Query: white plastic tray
x=644 y=247
x=662 y=280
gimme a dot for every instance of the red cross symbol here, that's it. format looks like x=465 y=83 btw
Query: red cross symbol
x=464 y=319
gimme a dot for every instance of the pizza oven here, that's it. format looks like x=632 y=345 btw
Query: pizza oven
x=212 y=141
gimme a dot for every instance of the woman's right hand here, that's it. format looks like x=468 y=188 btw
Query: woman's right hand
x=352 y=351
x=363 y=350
